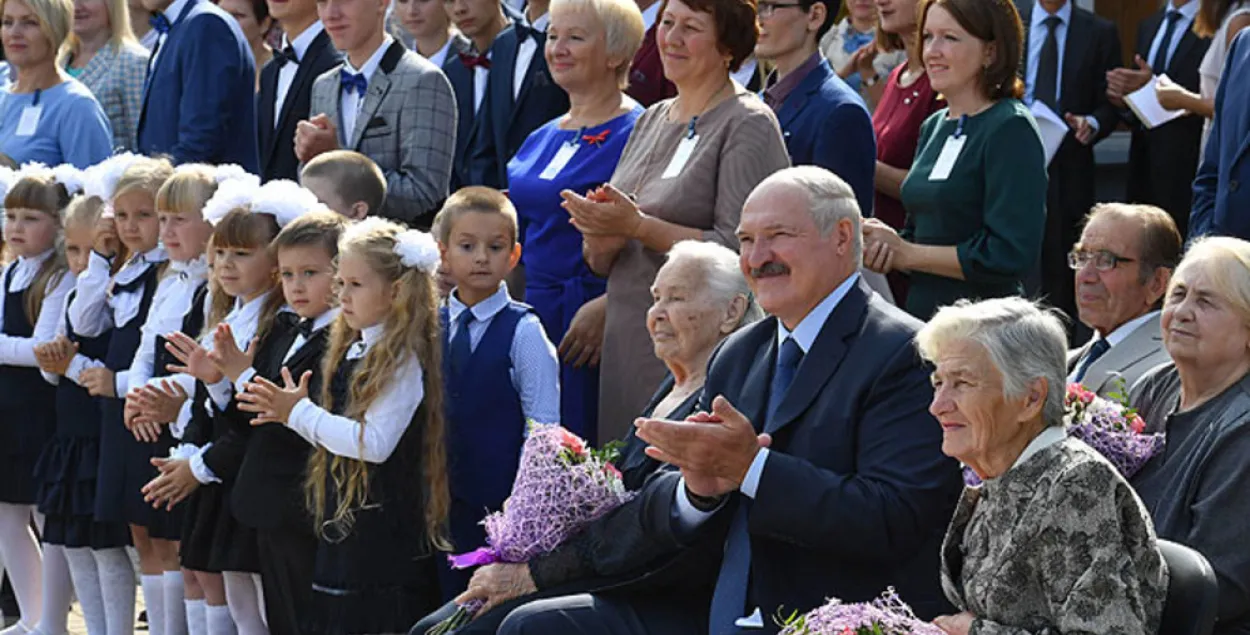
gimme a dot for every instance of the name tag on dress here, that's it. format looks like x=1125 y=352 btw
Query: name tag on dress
x=561 y=159
x=946 y=161
x=680 y=157
x=30 y=121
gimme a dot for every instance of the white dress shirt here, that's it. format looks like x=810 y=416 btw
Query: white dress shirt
x=1115 y=337
x=171 y=13
x=1037 y=41
x=350 y=102
x=480 y=77
x=386 y=419
x=440 y=56
x=150 y=39
x=535 y=367
x=744 y=73
x=650 y=15
x=525 y=54
x=319 y=322
x=20 y=351
x=1188 y=11
x=170 y=305
x=286 y=75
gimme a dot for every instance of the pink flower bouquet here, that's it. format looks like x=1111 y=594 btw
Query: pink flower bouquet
x=886 y=615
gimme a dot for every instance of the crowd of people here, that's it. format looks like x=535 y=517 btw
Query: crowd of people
x=288 y=283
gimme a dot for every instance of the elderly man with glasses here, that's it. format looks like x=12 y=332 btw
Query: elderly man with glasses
x=1122 y=266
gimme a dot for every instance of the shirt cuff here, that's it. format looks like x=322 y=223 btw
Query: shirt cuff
x=688 y=516
x=751 y=482
x=1093 y=122
x=244 y=377
x=179 y=426
x=183 y=451
x=221 y=393
x=121 y=384
x=202 y=472
x=78 y=364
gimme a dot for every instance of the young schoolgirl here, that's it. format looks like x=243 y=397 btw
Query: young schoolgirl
x=121 y=302
x=35 y=284
x=377 y=480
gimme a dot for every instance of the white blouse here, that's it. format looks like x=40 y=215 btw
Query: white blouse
x=20 y=351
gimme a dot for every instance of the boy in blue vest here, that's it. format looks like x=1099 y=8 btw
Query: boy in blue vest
x=499 y=368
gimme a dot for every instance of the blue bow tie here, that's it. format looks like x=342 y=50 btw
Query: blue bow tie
x=160 y=23
x=353 y=82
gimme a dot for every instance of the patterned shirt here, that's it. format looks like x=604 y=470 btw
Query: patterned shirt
x=115 y=76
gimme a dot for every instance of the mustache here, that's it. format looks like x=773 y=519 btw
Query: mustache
x=769 y=269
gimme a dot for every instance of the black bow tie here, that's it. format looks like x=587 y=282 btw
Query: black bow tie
x=286 y=55
x=292 y=321
x=525 y=31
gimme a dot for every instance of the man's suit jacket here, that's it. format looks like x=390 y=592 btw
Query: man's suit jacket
x=1222 y=187
x=461 y=78
x=1162 y=161
x=199 y=103
x=407 y=125
x=1141 y=351
x=506 y=122
x=825 y=123
x=856 y=494
x=277 y=143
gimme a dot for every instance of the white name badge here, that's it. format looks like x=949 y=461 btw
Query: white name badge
x=946 y=161
x=30 y=121
x=680 y=157
x=561 y=159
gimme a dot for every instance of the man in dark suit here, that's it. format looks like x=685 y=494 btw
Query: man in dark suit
x=824 y=122
x=286 y=85
x=199 y=104
x=1163 y=160
x=1067 y=72
x=1222 y=189
x=852 y=493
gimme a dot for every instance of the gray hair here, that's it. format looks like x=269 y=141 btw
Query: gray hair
x=1024 y=341
x=1226 y=262
x=623 y=28
x=721 y=275
x=829 y=200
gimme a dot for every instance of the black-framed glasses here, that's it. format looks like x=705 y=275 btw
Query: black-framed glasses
x=766 y=9
x=1103 y=260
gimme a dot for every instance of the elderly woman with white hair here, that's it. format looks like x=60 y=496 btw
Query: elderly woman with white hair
x=1196 y=489
x=590 y=44
x=699 y=298
x=1054 y=540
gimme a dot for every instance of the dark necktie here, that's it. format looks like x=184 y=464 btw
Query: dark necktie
x=472 y=61
x=729 y=601
x=159 y=22
x=285 y=56
x=1160 y=63
x=353 y=82
x=1096 y=350
x=460 y=348
x=1046 y=88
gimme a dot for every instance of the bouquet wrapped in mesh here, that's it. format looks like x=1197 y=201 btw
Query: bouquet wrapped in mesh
x=561 y=486
x=886 y=615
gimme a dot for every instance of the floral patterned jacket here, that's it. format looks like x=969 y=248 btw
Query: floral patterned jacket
x=1059 y=544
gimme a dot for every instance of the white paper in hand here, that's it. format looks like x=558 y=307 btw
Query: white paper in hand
x=1145 y=104
x=1052 y=128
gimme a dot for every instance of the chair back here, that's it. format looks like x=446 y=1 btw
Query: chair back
x=1193 y=593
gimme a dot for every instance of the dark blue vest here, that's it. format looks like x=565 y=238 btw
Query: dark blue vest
x=27 y=408
x=77 y=412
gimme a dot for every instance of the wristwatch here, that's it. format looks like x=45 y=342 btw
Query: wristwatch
x=703 y=503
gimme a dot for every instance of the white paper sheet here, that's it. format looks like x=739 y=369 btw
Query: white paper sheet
x=1145 y=104
x=1051 y=126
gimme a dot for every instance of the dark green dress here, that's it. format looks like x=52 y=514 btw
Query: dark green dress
x=992 y=206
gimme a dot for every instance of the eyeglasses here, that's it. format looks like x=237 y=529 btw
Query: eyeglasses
x=766 y=9
x=1103 y=260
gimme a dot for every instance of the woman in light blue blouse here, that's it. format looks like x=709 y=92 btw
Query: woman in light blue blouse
x=104 y=55
x=46 y=116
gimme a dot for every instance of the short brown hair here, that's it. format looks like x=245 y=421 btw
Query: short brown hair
x=483 y=200
x=737 y=26
x=995 y=22
x=1159 y=242
x=320 y=228
x=356 y=177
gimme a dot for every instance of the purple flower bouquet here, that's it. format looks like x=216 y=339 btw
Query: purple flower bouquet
x=560 y=487
x=886 y=615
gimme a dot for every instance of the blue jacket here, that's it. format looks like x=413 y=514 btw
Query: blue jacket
x=1222 y=186
x=199 y=103
x=825 y=123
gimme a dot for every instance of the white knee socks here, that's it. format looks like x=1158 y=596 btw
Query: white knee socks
x=117 y=587
x=86 y=577
x=175 y=610
x=154 y=601
x=219 y=620
x=243 y=598
x=197 y=618
x=57 y=592
x=22 y=562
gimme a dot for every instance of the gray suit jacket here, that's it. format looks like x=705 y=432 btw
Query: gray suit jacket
x=407 y=125
x=1141 y=351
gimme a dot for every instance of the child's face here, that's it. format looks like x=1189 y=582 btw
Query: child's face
x=328 y=194
x=307 y=273
x=351 y=23
x=185 y=234
x=244 y=272
x=365 y=297
x=138 y=226
x=481 y=251
x=78 y=246
x=472 y=17
x=29 y=232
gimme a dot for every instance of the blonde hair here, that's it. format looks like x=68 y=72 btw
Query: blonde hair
x=187 y=189
x=1230 y=275
x=41 y=193
x=622 y=25
x=56 y=19
x=241 y=228
x=410 y=329
x=145 y=175
x=120 y=31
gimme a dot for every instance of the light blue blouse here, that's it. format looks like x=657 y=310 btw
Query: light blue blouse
x=71 y=128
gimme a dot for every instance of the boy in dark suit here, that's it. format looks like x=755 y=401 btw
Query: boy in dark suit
x=199 y=99
x=286 y=84
x=387 y=103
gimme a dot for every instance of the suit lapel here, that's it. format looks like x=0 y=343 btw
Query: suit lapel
x=311 y=348
x=1080 y=30
x=379 y=86
x=264 y=110
x=1137 y=346
x=825 y=357
x=303 y=76
x=1188 y=41
x=792 y=107
x=163 y=55
x=502 y=104
x=537 y=68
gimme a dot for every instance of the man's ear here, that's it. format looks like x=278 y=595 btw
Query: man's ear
x=816 y=16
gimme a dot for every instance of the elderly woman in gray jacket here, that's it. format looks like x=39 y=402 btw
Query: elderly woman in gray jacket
x=1196 y=489
x=1054 y=540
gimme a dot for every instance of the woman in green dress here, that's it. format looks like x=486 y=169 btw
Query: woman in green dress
x=976 y=194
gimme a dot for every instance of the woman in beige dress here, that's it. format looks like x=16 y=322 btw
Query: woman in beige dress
x=688 y=167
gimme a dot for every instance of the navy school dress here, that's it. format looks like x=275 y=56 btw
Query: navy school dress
x=485 y=433
x=379 y=574
x=68 y=469
x=27 y=408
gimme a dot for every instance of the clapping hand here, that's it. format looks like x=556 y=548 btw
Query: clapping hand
x=270 y=403
x=98 y=382
x=1081 y=128
x=314 y=137
x=174 y=484
x=148 y=407
x=1123 y=81
x=604 y=211
x=227 y=357
x=583 y=342
x=54 y=357
x=713 y=450
x=194 y=358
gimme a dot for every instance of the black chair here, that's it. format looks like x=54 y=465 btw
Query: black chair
x=1193 y=593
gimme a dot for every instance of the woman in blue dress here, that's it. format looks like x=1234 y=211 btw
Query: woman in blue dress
x=590 y=45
